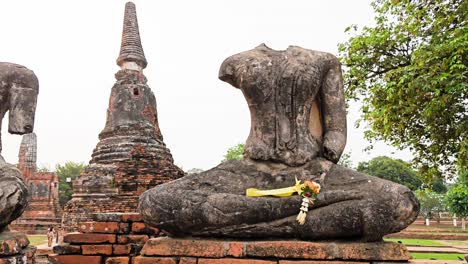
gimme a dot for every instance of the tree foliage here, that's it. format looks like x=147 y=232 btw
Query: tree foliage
x=235 y=153
x=69 y=170
x=345 y=160
x=457 y=200
x=395 y=170
x=431 y=203
x=410 y=72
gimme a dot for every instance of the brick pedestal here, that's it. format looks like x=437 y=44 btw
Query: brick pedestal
x=15 y=249
x=204 y=251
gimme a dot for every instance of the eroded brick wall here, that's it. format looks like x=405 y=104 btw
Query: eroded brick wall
x=110 y=238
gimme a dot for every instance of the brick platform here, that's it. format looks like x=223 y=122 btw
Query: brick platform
x=123 y=238
x=169 y=250
x=15 y=249
x=112 y=238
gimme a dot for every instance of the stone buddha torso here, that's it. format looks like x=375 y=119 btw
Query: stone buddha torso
x=284 y=91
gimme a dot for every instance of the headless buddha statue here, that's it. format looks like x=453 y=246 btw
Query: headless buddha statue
x=298 y=130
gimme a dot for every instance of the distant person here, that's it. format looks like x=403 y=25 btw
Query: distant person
x=50 y=236
x=56 y=233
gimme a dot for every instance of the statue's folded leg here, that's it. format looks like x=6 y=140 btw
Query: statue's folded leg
x=351 y=204
x=13 y=194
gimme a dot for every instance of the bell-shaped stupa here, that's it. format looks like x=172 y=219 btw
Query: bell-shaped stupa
x=131 y=156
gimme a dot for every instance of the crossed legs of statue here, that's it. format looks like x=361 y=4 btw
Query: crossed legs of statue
x=213 y=203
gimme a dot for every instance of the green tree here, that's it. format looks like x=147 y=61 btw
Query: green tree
x=431 y=203
x=70 y=170
x=410 y=72
x=345 y=160
x=395 y=170
x=235 y=153
x=457 y=201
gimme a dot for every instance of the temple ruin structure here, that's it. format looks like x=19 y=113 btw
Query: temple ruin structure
x=131 y=156
x=44 y=208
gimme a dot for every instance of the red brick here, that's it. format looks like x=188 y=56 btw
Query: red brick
x=99 y=227
x=185 y=260
x=142 y=228
x=236 y=249
x=184 y=247
x=79 y=238
x=118 y=260
x=74 y=259
x=326 y=250
x=131 y=217
x=124 y=228
x=234 y=261
x=122 y=249
x=137 y=239
x=153 y=260
x=96 y=249
x=67 y=249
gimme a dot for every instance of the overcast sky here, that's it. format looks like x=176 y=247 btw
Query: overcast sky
x=72 y=47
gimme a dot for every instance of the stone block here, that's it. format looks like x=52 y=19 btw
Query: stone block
x=90 y=238
x=99 y=227
x=136 y=239
x=153 y=260
x=118 y=260
x=97 y=249
x=74 y=259
x=124 y=228
x=67 y=249
x=142 y=228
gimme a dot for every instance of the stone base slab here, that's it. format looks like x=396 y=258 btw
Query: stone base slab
x=167 y=250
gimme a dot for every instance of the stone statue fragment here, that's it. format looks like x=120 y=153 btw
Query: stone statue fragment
x=298 y=130
x=19 y=88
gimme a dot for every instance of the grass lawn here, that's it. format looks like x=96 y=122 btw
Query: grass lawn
x=417 y=242
x=37 y=239
x=437 y=256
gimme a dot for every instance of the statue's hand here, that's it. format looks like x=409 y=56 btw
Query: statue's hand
x=333 y=145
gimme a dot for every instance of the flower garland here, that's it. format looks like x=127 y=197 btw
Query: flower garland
x=308 y=190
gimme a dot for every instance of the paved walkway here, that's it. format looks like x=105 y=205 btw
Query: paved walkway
x=437 y=249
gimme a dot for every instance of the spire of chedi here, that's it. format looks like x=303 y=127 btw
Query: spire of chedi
x=130 y=156
x=131 y=52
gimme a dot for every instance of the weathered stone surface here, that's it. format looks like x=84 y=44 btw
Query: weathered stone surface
x=281 y=88
x=157 y=260
x=282 y=249
x=67 y=249
x=18 y=96
x=100 y=227
x=135 y=239
x=235 y=261
x=12 y=243
x=96 y=249
x=117 y=217
x=131 y=156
